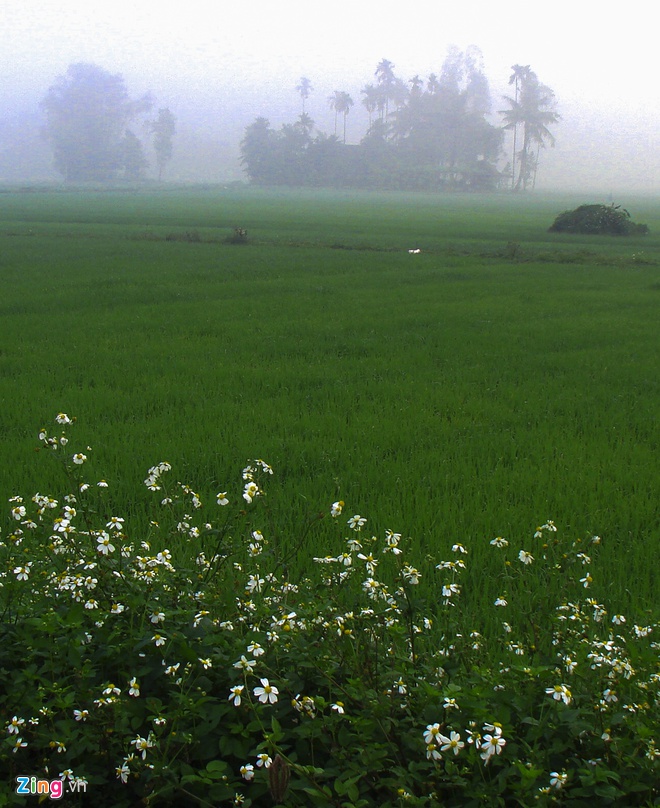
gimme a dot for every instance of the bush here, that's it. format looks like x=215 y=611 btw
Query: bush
x=187 y=667
x=598 y=220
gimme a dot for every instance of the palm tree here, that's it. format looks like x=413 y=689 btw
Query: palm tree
x=346 y=102
x=534 y=110
x=519 y=75
x=386 y=81
x=335 y=104
x=304 y=89
x=370 y=100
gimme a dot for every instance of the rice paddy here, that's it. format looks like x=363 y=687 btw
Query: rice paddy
x=500 y=377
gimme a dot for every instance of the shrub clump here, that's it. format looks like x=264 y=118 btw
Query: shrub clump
x=598 y=220
x=184 y=665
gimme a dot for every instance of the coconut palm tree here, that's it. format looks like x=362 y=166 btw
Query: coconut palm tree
x=534 y=111
x=304 y=89
x=370 y=100
x=519 y=75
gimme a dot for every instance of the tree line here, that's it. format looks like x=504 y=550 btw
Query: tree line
x=424 y=134
x=431 y=134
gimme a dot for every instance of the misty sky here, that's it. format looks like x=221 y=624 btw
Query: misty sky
x=217 y=61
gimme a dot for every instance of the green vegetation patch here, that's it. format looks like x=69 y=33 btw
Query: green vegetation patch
x=600 y=220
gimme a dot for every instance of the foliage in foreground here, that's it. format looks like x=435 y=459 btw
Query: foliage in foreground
x=598 y=220
x=186 y=666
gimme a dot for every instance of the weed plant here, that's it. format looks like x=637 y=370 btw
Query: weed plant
x=185 y=665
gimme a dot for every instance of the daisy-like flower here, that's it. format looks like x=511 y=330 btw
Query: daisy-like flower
x=336 y=508
x=618 y=619
x=245 y=664
x=79 y=458
x=63 y=418
x=453 y=742
x=221 y=498
x=501 y=602
x=255 y=649
x=558 y=779
x=449 y=703
x=250 y=491
x=157 y=617
x=491 y=745
x=115 y=523
x=117 y=608
x=525 y=557
x=133 y=687
x=586 y=581
x=356 y=522
x=338 y=707
x=105 y=547
x=235 y=693
x=560 y=693
x=432 y=752
x=205 y=663
x=264 y=760
x=22 y=573
x=14 y=726
x=499 y=542
x=432 y=733
x=247 y=771
x=142 y=745
x=266 y=693
x=19 y=743
x=81 y=715
x=58 y=745
x=18 y=512
x=122 y=772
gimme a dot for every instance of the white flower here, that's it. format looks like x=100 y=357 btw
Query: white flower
x=245 y=664
x=266 y=693
x=499 y=542
x=356 y=522
x=492 y=745
x=235 y=694
x=134 y=687
x=14 y=725
x=558 y=779
x=79 y=458
x=221 y=498
x=250 y=491
x=432 y=733
x=247 y=771
x=63 y=418
x=525 y=557
x=122 y=772
x=560 y=693
x=337 y=508
x=104 y=546
x=501 y=602
x=264 y=760
x=81 y=715
x=18 y=512
x=142 y=744
x=338 y=707
x=453 y=742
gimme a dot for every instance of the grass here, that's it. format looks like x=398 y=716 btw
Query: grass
x=501 y=377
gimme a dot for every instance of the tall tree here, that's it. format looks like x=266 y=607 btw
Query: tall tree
x=133 y=158
x=370 y=100
x=534 y=110
x=520 y=73
x=163 y=129
x=87 y=115
x=304 y=90
x=341 y=102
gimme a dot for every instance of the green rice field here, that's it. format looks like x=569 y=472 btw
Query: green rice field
x=500 y=377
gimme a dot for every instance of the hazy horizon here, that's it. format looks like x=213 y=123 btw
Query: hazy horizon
x=218 y=69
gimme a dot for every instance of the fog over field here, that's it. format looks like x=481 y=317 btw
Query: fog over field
x=217 y=67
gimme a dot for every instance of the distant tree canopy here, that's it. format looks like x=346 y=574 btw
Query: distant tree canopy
x=88 y=112
x=422 y=136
